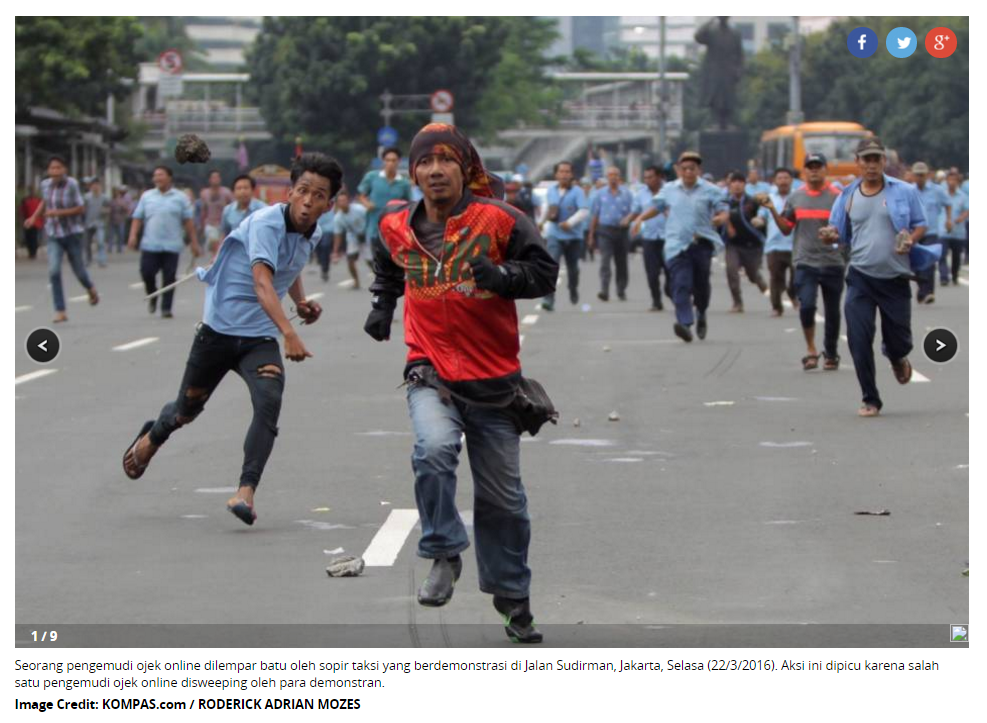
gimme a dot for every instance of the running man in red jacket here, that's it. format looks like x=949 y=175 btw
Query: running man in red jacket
x=461 y=257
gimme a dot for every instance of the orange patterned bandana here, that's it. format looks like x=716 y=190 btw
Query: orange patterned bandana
x=449 y=140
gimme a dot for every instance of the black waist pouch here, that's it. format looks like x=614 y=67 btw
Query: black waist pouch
x=530 y=406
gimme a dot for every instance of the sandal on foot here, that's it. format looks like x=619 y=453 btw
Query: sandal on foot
x=902 y=370
x=869 y=410
x=810 y=362
x=243 y=511
x=832 y=363
x=93 y=297
x=132 y=452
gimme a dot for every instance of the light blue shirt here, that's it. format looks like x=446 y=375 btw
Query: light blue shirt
x=654 y=228
x=760 y=187
x=381 y=191
x=569 y=203
x=163 y=215
x=327 y=222
x=264 y=237
x=959 y=202
x=610 y=209
x=351 y=224
x=690 y=214
x=934 y=202
x=233 y=215
x=776 y=240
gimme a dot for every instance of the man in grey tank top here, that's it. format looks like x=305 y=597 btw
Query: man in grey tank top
x=880 y=218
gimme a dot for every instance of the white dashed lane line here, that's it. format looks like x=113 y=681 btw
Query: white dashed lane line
x=136 y=344
x=390 y=538
x=33 y=375
x=529 y=320
x=18 y=309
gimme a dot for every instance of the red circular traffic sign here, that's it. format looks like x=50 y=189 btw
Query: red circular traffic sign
x=940 y=42
x=170 y=62
x=441 y=101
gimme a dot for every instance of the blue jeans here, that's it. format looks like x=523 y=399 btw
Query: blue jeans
x=57 y=248
x=118 y=236
x=98 y=235
x=689 y=278
x=808 y=281
x=865 y=296
x=501 y=523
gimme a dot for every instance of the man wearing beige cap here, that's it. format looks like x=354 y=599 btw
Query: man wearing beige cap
x=935 y=203
x=880 y=218
x=693 y=206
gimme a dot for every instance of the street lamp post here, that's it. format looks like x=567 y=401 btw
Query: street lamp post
x=663 y=85
x=795 y=114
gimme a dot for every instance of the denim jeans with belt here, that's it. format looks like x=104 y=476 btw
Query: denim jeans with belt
x=501 y=524
x=71 y=246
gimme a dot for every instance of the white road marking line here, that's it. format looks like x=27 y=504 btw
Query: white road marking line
x=18 y=309
x=787 y=304
x=918 y=377
x=585 y=442
x=820 y=319
x=215 y=490
x=389 y=540
x=77 y=299
x=624 y=459
x=964 y=282
x=530 y=319
x=136 y=344
x=317 y=295
x=785 y=445
x=33 y=375
x=345 y=284
x=520 y=340
x=718 y=404
x=136 y=285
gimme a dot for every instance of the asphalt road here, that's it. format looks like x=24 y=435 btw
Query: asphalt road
x=725 y=493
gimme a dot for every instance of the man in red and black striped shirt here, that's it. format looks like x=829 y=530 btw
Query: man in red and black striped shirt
x=818 y=263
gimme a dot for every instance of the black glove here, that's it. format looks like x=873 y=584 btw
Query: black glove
x=379 y=321
x=488 y=275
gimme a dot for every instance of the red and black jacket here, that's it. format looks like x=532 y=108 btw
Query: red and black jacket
x=468 y=334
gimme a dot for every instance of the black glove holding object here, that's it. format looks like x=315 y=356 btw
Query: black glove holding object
x=488 y=275
x=380 y=318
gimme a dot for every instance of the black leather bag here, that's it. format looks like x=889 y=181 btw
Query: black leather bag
x=530 y=407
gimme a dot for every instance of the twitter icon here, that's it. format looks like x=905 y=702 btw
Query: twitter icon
x=901 y=42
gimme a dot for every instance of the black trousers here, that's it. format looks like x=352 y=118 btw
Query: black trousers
x=167 y=263
x=31 y=241
x=258 y=362
x=653 y=252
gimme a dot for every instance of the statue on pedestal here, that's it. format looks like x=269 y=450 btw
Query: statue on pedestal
x=722 y=68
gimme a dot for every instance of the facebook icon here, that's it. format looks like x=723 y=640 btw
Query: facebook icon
x=862 y=42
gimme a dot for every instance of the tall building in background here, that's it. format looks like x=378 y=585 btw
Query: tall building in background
x=594 y=33
x=223 y=40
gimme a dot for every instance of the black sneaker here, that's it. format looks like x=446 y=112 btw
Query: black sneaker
x=518 y=622
x=602 y=296
x=682 y=332
x=152 y=305
x=548 y=306
x=436 y=591
x=622 y=296
x=701 y=327
x=167 y=315
x=574 y=296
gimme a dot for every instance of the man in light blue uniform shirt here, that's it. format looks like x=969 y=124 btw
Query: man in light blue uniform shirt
x=256 y=266
x=694 y=206
x=778 y=246
x=323 y=250
x=610 y=215
x=937 y=213
x=567 y=210
x=243 y=205
x=166 y=215
x=880 y=218
x=378 y=188
x=652 y=236
x=754 y=184
x=349 y=227
x=952 y=232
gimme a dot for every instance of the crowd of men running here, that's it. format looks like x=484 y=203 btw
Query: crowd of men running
x=455 y=238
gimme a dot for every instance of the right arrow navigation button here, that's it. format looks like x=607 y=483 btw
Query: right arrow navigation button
x=940 y=345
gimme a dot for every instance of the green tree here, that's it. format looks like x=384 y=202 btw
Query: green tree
x=71 y=64
x=167 y=32
x=918 y=105
x=322 y=78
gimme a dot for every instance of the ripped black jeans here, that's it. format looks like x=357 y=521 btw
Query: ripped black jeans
x=258 y=362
